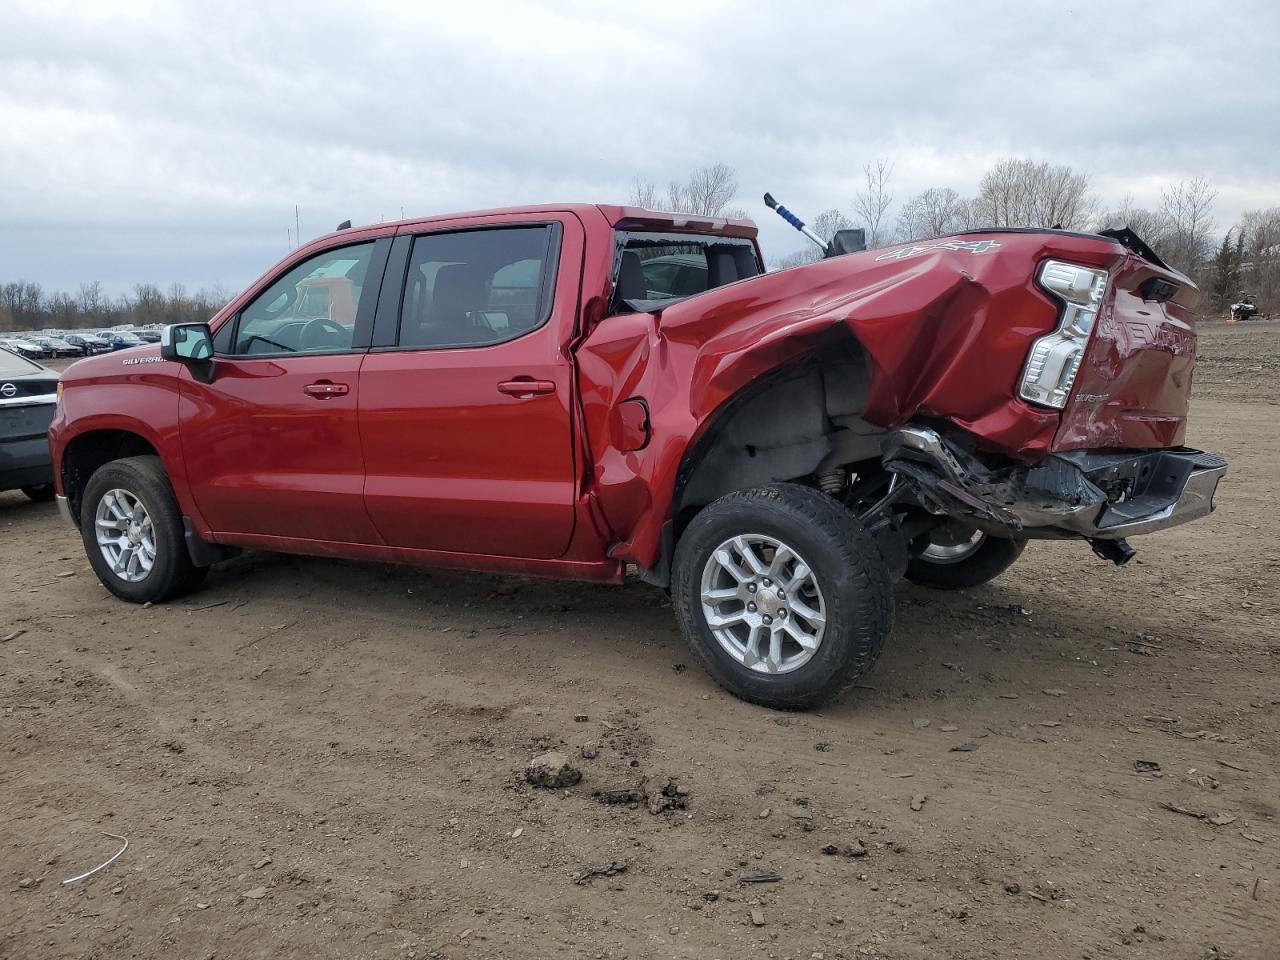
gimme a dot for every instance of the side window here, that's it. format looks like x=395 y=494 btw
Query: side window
x=311 y=309
x=477 y=288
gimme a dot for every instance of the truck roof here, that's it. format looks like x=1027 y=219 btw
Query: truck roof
x=619 y=217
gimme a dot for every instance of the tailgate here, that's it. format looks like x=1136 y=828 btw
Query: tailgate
x=1134 y=382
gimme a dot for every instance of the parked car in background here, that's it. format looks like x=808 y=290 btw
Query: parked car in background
x=28 y=398
x=57 y=347
x=23 y=348
x=147 y=336
x=118 y=340
x=88 y=343
x=512 y=391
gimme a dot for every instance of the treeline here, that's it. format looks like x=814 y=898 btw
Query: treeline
x=1245 y=260
x=1027 y=193
x=27 y=306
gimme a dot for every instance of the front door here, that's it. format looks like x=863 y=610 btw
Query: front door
x=272 y=444
x=465 y=409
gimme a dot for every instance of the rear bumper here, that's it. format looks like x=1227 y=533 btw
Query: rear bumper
x=25 y=463
x=1096 y=495
x=1181 y=487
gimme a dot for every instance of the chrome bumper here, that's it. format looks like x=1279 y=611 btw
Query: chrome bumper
x=1096 y=495
x=1193 y=501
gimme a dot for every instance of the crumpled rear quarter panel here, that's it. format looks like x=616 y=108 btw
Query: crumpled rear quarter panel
x=945 y=329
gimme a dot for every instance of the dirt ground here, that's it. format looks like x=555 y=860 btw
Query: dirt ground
x=313 y=758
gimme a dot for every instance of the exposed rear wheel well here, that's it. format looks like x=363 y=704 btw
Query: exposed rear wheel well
x=801 y=424
x=89 y=451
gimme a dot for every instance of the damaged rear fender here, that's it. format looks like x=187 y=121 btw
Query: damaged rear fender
x=630 y=358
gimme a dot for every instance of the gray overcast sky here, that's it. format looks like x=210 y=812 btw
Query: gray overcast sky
x=170 y=141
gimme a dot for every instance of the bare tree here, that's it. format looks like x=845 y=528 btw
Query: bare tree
x=148 y=303
x=1004 y=195
x=1063 y=198
x=872 y=202
x=1151 y=225
x=707 y=192
x=936 y=212
x=1259 y=233
x=643 y=194
x=61 y=310
x=22 y=300
x=1188 y=207
x=91 y=301
x=1023 y=193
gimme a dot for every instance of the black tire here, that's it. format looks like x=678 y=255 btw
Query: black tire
x=991 y=557
x=172 y=572
x=847 y=567
x=40 y=493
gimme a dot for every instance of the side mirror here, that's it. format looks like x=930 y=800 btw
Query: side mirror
x=847 y=241
x=186 y=343
x=190 y=344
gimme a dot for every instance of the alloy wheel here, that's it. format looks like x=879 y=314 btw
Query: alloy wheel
x=763 y=603
x=125 y=535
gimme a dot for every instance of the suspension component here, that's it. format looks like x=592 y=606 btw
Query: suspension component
x=831 y=483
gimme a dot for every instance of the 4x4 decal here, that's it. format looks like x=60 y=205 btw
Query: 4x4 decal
x=973 y=246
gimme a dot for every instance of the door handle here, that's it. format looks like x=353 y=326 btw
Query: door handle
x=325 y=389
x=526 y=388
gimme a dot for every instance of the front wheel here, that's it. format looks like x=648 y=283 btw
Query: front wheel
x=133 y=534
x=956 y=557
x=782 y=595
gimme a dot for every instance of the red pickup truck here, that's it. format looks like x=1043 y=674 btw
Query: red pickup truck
x=570 y=391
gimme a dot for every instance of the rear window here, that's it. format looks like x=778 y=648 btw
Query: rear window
x=656 y=269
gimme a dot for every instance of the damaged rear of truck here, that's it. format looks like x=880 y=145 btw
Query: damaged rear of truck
x=780 y=448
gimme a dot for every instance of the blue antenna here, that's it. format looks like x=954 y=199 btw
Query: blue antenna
x=792 y=219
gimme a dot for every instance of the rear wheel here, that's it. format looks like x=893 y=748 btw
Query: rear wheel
x=957 y=557
x=40 y=493
x=782 y=595
x=133 y=534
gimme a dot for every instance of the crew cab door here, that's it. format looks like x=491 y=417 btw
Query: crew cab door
x=466 y=393
x=272 y=443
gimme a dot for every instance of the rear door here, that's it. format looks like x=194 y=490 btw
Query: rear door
x=466 y=394
x=272 y=444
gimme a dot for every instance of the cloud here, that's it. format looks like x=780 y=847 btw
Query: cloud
x=158 y=141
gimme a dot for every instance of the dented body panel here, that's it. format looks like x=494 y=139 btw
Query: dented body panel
x=945 y=326
x=1134 y=383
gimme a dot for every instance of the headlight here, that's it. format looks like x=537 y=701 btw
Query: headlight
x=1055 y=358
x=59 y=400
